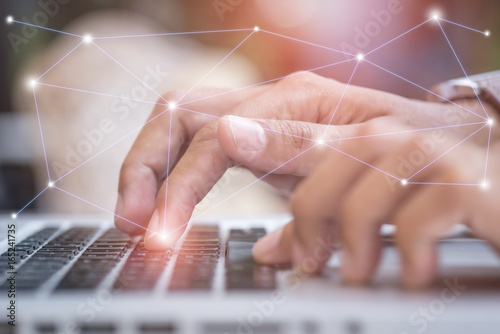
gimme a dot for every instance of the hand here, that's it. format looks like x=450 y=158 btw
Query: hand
x=422 y=182
x=294 y=114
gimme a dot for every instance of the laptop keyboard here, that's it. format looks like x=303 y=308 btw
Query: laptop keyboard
x=26 y=247
x=49 y=259
x=96 y=261
x=142 y=269
x=76 y=264
x=241 y=270
x=197 y=260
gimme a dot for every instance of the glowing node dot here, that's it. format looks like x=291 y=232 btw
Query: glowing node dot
x=172 y=105
x=256 y=28
x=435 y=17
x=33 y=83
x=487 y=33
x=320 y=142
x=87 y=38
x=491 y=121
x=404 y=182
x=163 y=236
x=360 y=57
x=50 y=184
x=14 y=216
x=485 y=185
x=9 y=19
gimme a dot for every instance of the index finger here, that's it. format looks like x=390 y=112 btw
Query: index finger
x=162 y=141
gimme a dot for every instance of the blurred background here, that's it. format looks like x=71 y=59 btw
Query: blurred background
x=353 y=26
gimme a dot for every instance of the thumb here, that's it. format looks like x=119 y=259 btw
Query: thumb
x=280 y=146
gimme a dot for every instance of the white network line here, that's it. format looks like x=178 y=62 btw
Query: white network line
x=308 y=43
x=244 y=188
x=130 y=72
x=425 y=89
x=60 y=60
x=461 y=25
x=41 y=134
x=462 y=67
x=405 y=131
x=487 y=155
x=110 y=146
x=173 y=34
x=447 y=151
x=168 y=166
x=213 y=68
x=361 y=161
x=101 y=208
x=341 y=97
x=100 y=94
x=266 y=82
x=218 y=94
x=397 y=37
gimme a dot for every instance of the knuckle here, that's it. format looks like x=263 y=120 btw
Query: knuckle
x=368 y=128
x=129 y=171
x=307 y=81
x=454 y=173
x=207 y=134
x=375 y=126
x=302 y=76
x=296 y=134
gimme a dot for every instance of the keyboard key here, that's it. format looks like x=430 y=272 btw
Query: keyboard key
x=26 y=247
x=96 y=261
x=197 y=259
x=142 y=269
x=242 y=272
x=48 y=260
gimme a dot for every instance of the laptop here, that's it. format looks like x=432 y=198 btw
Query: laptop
x=78 y=274
x=81 y=275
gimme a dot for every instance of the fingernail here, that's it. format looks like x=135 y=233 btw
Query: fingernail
x=248 y=135
x=265 y=249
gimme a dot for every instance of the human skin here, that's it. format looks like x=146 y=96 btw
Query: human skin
x=277 y=131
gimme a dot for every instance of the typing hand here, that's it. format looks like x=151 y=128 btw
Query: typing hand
x=289 y=117
x=345 y=202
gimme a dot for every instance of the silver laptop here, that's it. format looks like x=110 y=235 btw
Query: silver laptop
x=81 y=275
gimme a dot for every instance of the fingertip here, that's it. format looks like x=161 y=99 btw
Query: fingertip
x=264 y=249
x=415 y=278
x=121 y=223
x=159 y=236
x=303 y=261
x=419 y=268
x=156 y=238
x=348 y=269
x=359 y=264
x=128 y=223
x=134 y=206
x=124 y=224
x=271 y=249
x=158 y=241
